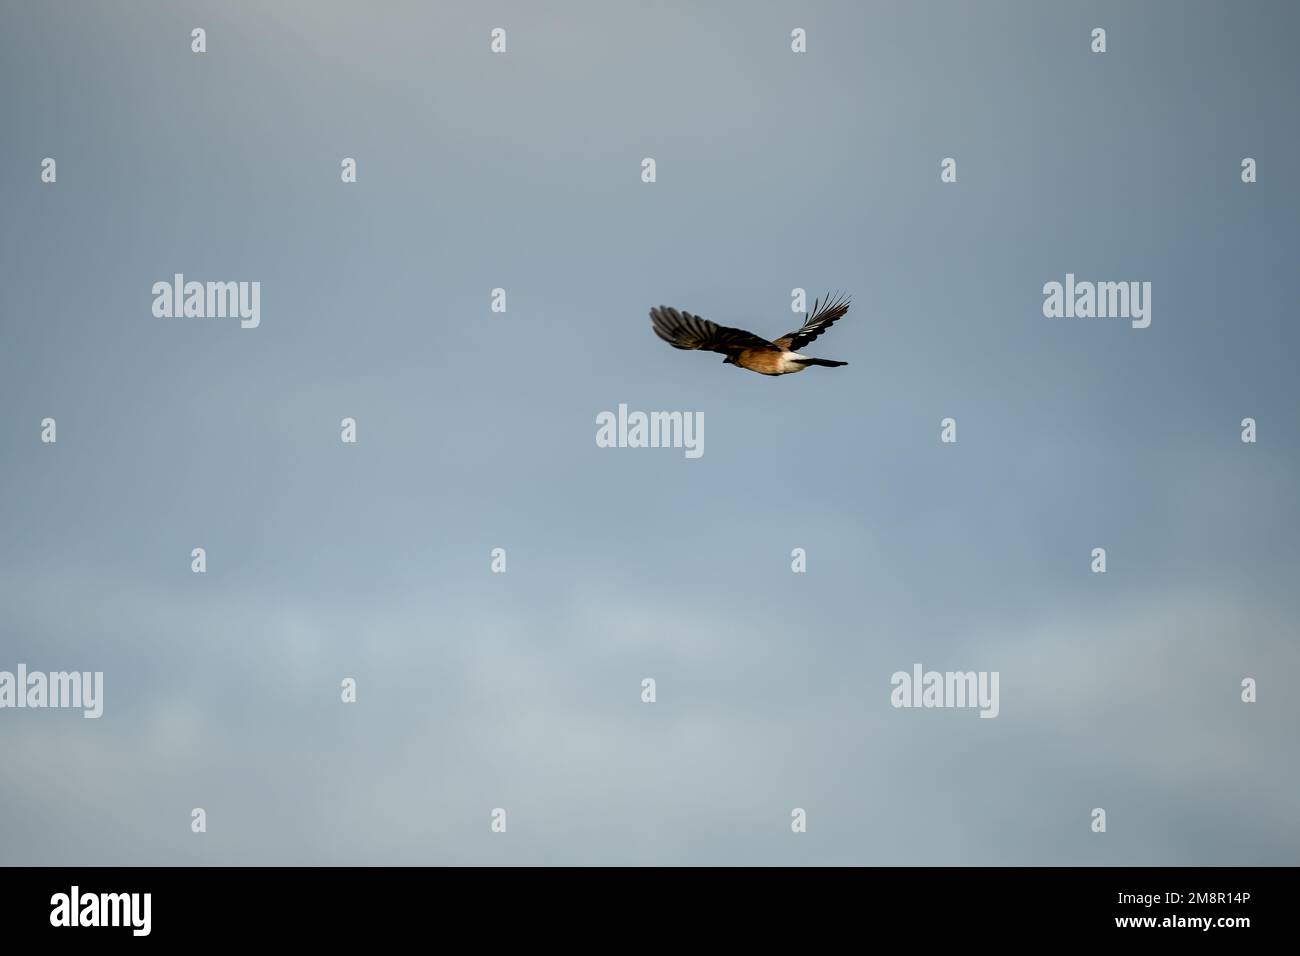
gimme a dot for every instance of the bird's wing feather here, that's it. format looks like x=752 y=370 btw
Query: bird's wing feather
x=818 y=321
x=682 y=330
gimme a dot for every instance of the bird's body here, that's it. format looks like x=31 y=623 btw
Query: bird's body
x=682 y=330
x=771 y=362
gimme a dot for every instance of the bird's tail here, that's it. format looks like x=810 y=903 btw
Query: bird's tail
x=827 y=363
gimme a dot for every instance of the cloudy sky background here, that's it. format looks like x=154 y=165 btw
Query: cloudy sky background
x=476 y=431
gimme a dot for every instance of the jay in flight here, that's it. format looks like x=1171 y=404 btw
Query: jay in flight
x=682 y=330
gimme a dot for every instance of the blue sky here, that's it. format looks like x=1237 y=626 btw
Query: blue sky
x=476 y=431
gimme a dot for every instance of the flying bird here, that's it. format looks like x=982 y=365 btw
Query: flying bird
x=682 y=330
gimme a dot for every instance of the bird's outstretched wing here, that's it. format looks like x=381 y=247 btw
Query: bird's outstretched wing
x=682 y=330
x=818 y=321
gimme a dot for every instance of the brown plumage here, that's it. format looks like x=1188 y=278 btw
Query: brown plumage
x=682 y=330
